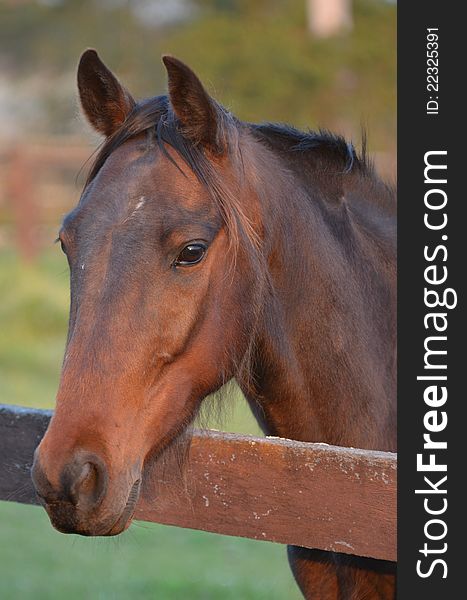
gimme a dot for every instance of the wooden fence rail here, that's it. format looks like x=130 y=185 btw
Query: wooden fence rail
x=311 y=495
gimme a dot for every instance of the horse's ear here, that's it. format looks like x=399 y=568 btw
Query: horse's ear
x=106 y=103
x=197 y=112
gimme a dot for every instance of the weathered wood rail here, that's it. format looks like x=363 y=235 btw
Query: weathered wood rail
x=311 y=495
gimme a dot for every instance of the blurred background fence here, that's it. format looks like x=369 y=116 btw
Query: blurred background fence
x=311 y=63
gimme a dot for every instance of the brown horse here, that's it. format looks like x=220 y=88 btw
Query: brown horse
x=204 y=248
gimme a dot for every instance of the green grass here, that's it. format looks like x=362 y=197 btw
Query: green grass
x=148 y=561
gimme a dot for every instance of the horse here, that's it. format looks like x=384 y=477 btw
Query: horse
x=203 y=249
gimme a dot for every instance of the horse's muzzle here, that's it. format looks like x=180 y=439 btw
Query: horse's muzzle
x=78 y=501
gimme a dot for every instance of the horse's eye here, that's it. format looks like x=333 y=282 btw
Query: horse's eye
x=191 y=254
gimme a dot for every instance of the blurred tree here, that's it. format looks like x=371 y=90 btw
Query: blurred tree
x=259 y=55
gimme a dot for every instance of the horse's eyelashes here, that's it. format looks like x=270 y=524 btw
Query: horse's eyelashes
x=62 y=245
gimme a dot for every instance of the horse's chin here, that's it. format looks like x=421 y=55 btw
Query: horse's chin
x=126 y=518
x=119 y=527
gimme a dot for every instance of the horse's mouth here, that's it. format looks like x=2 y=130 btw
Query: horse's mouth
x=65 y=519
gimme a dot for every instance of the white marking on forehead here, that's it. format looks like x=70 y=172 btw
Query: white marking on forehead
x=138 y=206
x=141 y=202
x=82 y=266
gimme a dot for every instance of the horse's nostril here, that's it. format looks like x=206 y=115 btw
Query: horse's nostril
x=84 y=480
x=84 y=484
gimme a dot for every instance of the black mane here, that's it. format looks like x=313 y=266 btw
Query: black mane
x=156 y=115
x=288 y=139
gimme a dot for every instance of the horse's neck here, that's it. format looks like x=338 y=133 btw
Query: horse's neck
x=320 y=368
